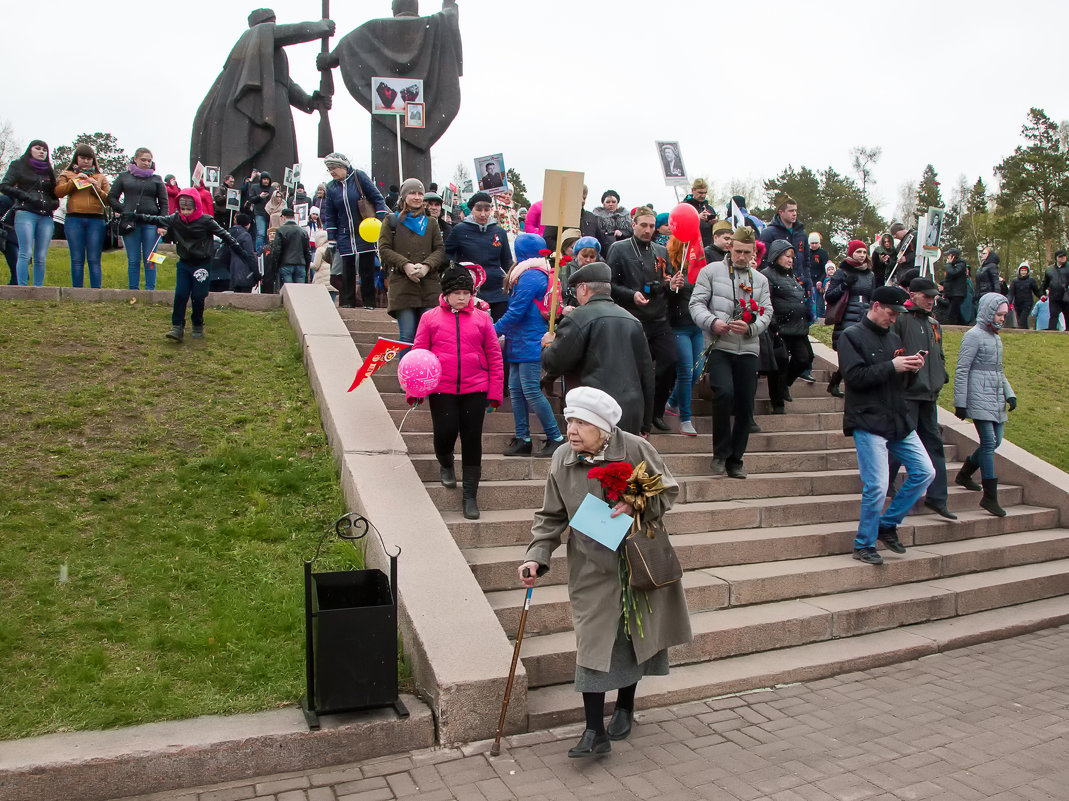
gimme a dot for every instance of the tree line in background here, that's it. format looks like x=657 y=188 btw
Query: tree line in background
x=1024 y=216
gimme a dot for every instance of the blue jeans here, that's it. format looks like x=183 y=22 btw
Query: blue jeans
x=292 y=274
x=690 y=343
x=139 y=244
x=990 y=438
x=407 y=320
x=191 y=281
x=261 y=232
x=34 y=232
x=872 y=450
x=526 y=395
x=85 y=238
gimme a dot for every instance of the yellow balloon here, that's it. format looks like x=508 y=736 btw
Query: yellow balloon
x=370 y=228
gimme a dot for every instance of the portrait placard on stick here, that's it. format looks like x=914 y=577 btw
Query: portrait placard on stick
x=300 y=214
x=675 y=174
x=414 y=115
x=211 y=177
x=233 y=199
x=198 y=174
x=490 y=173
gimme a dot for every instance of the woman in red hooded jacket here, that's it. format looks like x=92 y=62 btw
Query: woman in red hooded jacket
x=462 y=337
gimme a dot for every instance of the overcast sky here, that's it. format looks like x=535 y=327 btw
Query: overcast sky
x=589 y=86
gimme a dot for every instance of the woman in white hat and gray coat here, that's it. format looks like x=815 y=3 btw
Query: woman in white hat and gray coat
x=613 y=651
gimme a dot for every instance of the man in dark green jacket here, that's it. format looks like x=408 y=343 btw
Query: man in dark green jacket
x=920 y=332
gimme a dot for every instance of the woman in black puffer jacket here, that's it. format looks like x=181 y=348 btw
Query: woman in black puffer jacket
x=139 y=190
x=31 y=182
x=790 y=322
x=854 y=277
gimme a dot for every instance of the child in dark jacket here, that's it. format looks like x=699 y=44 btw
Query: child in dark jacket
x=462 y=337
x=193 y=232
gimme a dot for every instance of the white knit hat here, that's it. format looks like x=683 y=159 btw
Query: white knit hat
x=595 y=406
x=337 y=160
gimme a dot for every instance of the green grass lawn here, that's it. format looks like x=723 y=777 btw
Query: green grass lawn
x=1037 y=366
x=156 y=506
x=112 y=268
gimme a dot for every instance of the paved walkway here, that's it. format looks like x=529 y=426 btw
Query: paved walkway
x=986 y=722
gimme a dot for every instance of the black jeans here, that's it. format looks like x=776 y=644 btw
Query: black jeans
x=463 y=415
x=665 y=354
x=1058 y=307
x=954 y=311
x=349 y=268
x=927 y=413
x=800 y=359
x=733 y=380
x=1023 y=314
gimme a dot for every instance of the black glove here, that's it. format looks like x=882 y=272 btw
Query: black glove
x=1012 y=403
x=961 y=413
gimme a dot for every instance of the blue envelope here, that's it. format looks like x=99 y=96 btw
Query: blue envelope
x=592 y=518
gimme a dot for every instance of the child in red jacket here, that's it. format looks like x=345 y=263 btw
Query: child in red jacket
x=462 y=337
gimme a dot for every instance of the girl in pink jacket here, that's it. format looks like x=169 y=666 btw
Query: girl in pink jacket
x=462 y=337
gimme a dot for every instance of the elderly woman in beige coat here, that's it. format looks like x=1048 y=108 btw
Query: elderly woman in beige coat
x=611 y=653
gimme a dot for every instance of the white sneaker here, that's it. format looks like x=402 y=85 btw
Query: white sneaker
x=687 y=427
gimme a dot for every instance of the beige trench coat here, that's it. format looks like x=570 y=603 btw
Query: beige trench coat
x=593 y=570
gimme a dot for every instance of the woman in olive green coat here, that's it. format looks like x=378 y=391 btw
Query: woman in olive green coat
x=412 y=253
x=609 y=654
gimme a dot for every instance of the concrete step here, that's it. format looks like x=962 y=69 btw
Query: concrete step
x=559 y=704
x=514 y=525
x=422 y=442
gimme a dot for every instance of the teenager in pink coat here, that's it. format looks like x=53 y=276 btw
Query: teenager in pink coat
x=462 y=337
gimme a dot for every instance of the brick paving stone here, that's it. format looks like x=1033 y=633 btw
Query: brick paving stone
x=321 y=794
x=281 y=785
x=360 y=786
x=382 y=794
x=291 y=795
x=229 y=794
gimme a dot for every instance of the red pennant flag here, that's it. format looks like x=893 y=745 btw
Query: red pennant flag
x=384 y=352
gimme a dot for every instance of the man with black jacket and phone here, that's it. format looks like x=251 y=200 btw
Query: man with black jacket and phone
x=291 y=252
x=641 y=281
x=874 y=363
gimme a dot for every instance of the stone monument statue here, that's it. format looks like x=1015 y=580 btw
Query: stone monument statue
x=404 y=46
x=245 y=120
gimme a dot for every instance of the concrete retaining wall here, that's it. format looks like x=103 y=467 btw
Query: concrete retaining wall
x=459 y=653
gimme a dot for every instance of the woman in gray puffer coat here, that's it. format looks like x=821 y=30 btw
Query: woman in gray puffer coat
x=982 y=393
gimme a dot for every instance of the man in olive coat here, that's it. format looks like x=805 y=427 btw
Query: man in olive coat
x=600 y=345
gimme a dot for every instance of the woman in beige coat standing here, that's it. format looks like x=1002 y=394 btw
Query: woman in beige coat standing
x=412 y=253
x=612 y=652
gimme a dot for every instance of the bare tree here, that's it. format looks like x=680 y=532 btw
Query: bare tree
x=865 y=158
x=907 y=204
x=10 y=147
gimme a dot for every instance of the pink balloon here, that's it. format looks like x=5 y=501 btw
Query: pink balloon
x=683 y=222
x=419 y=372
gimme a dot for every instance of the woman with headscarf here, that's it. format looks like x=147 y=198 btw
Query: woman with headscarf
x=854 y=278
x=614 y=223
x=31 y=182
x=139 y=190
x=620 y=636
x=85 y=187
x=274 y=207
x=413 y=254
x=982 y=393
x=342 y=216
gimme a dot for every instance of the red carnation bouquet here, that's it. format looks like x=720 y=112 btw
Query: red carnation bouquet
x=613 y=478
x=748 y=310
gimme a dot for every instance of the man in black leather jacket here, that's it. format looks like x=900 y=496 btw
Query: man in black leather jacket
x=955 y=280
x=600 y=345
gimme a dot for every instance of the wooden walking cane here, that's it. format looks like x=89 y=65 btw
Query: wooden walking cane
x=495 y=749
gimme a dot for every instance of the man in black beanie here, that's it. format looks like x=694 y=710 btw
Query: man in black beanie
x=600 y=345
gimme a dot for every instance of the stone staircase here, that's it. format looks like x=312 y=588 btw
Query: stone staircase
x=773 y=593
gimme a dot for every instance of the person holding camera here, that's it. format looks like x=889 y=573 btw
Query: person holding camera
x=641 y=281
x=139 y=190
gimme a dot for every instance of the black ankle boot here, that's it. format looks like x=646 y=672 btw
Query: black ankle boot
x=471 y=489
x=964 y=477
x=833 y=384
x=448 y=476
x=990 y=499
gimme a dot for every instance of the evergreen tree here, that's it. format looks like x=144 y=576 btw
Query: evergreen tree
x=928 y=193
x=518 y=187
x=111 y=158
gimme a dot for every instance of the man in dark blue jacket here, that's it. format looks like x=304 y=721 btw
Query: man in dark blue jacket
x=242 y=276
x=486 y=243
x=872 y=360
x=785 y=225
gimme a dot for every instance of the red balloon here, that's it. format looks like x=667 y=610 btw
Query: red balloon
x=683 y=222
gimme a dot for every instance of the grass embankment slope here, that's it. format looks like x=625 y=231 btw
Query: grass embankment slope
x=176 y=489
x=1037 y=366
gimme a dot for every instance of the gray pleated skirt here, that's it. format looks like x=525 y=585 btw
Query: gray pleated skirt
x=624 y=668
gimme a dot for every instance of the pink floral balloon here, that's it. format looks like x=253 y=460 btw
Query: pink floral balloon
x=419 y=372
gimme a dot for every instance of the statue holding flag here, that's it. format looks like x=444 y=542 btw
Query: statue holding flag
x=245 y=121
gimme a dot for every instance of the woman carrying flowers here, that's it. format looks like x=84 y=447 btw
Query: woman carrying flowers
x=621 y=635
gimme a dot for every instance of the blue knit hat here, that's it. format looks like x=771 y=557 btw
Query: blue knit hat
x=528 y=245
x=586 y=242
x=662 y=219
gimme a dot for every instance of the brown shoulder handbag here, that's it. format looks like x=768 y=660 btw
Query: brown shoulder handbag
x=651 y=559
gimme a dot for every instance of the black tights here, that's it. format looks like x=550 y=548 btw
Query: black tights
x=594 y=706
x=462 y=415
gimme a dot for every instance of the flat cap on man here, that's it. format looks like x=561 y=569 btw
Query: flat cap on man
x=595 y=272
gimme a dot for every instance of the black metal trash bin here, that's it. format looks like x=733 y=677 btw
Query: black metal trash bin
x=350 y=633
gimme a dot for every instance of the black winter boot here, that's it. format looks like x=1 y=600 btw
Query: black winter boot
x=964 y=477
x=176 y=333
x=448 y=475
x=471 y=489
x=833 y=384
x=990 y=499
